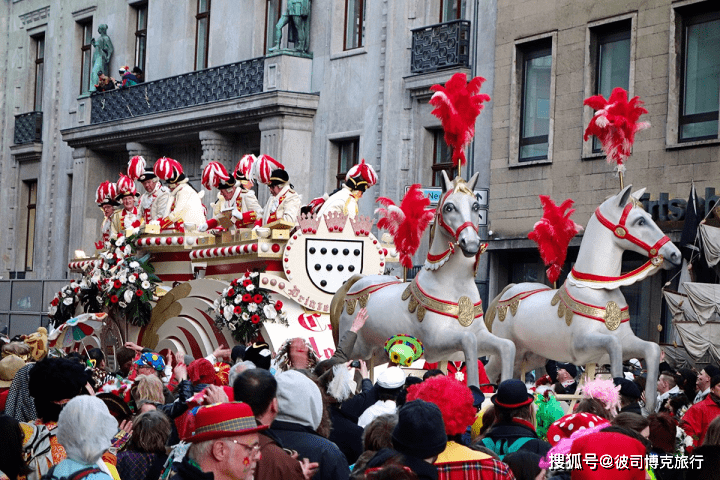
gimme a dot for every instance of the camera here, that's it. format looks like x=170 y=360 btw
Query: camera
x=355 y=364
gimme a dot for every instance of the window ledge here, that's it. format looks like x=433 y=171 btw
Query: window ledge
x=530 y=163
x=593 y=156
x=349 y=53
x=699 y=143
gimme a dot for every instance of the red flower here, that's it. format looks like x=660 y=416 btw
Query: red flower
x=258 y=298
x=55 y=302
x=234 y=282
x=247 y=298
x=247 y=274
x=255 y=318
x=247 y=282
x=278 y=305
x=77 y=289
x=114 y=299
x=237 y=310
x=139 y=293
x=231 y=292
x=117 y=284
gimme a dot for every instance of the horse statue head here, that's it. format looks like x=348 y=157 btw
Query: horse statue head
x=458 y=216
x=634 y=229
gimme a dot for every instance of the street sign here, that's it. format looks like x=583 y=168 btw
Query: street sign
x=434 y=194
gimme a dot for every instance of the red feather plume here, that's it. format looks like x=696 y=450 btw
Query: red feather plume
x=553 y=234
x=406 y=223
x=615 y=124
x=458 y=105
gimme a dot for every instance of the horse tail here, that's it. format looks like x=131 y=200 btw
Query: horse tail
x=490 y=314
x=337 y=305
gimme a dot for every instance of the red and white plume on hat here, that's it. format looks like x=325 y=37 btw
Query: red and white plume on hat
x=167 y=168
x=245 y=165
x=553 y=234
x=407 y=223
x=263 y=168
x=106 y=190
x=126 y=184
x=213 y=174
x=615 y=124
x=136 y=167
x=364 y=169
x=458 y=105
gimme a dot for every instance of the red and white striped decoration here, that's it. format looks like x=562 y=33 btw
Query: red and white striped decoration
x=126 y=185
x=224 y=251
x=136 y=167
x=161 y=241
x=105 y=190
x=263 y=168
x=81 y=264
x=213 y=174
x=166 y=168
x=245 y=165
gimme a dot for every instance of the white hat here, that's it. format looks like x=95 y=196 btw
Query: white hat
x=392 y=377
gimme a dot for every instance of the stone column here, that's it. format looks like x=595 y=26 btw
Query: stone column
x=144 y=150
x=216 y=147
x=288 y=139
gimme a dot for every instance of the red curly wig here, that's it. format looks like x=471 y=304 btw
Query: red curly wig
x=452 y=397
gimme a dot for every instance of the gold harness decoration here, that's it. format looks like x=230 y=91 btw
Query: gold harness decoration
x=464 y=310
x=362 y=296
x=612 y=315
x=512 y=303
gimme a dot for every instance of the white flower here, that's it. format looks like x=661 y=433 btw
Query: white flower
x=118 y=251
x=119 y=242
x=68 y=301
x=128 y=295
x=122 y=304
x=73 y=285
x=122 y=278
x=270 y=312
x=237 y=300
x=250 y=287
x=127 y=250
x=105 y=266
x=99 y=299
x=252 y=307
x=245 y=316
x=145 y=285
x=132 y=278
x=231 y=326
x=143 y=276
x=254 y=274
x=134 y=264
x=52 y=310
x=224 y=292
x=228 y=312
x=120 y=257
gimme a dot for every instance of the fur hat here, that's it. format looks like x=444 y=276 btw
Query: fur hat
x=221 y=420
x=420 y=431
x=454 y=399
x=55 y=379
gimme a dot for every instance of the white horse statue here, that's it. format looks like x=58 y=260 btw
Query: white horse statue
x=587 y=319
x=441 y=306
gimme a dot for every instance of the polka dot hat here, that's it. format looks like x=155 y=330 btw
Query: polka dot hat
x=572 y=423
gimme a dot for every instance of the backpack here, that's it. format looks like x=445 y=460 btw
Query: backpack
x=502 y=448
x=80 y=474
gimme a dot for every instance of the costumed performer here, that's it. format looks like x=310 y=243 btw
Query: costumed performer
x=285 y=203
x=345 y=200
x=154 y=202
x=129 y=216
x=236 y=200
x=185 y=203
x=105 y=198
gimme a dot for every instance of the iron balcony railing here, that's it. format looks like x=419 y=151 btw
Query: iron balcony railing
x=28 y=128
x=440 y=46
x=172 y=93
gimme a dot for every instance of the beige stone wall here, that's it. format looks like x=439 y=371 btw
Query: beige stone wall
x=656 y=163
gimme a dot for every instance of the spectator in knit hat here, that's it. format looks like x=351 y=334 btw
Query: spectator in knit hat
x=702 y=384
x=514 y=428
x=224 y=443
x=698 y=417
x=390 y=382
x=455 y=401
x=418 y=438
x=300 y=409
x=629 y=395
x=124 y=357
x=258 y=388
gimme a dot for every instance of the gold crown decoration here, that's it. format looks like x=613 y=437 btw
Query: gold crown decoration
x=361 y=225
x=308 y=222
x=335 y=221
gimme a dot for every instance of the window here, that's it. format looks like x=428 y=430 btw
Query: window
x=272 y=16
x=698 y=118
x=141 y=37
x=612 y=57
x=451 y=10
x=39 y=67
x=442 y=158
x=30 y=231
x=535 y=101
x=354 y=24
x=86 y=56
x=348 y=155
x=202 y=39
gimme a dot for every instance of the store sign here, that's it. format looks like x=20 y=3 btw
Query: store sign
x=434 y=194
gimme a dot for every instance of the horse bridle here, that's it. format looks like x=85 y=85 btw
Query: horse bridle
x=620 y=231
x=439 y=220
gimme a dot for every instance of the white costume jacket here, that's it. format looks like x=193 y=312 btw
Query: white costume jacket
x=154 y=206
x=285 y=206
x=243 y=200
x=186 y=205
x=344 y=201
x=124 y=219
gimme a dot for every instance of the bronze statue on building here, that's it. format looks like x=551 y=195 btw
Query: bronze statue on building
x=103 y=50
x=298 y=16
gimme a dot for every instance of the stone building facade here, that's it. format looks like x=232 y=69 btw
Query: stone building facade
x=552 y=54
x=214 y=91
